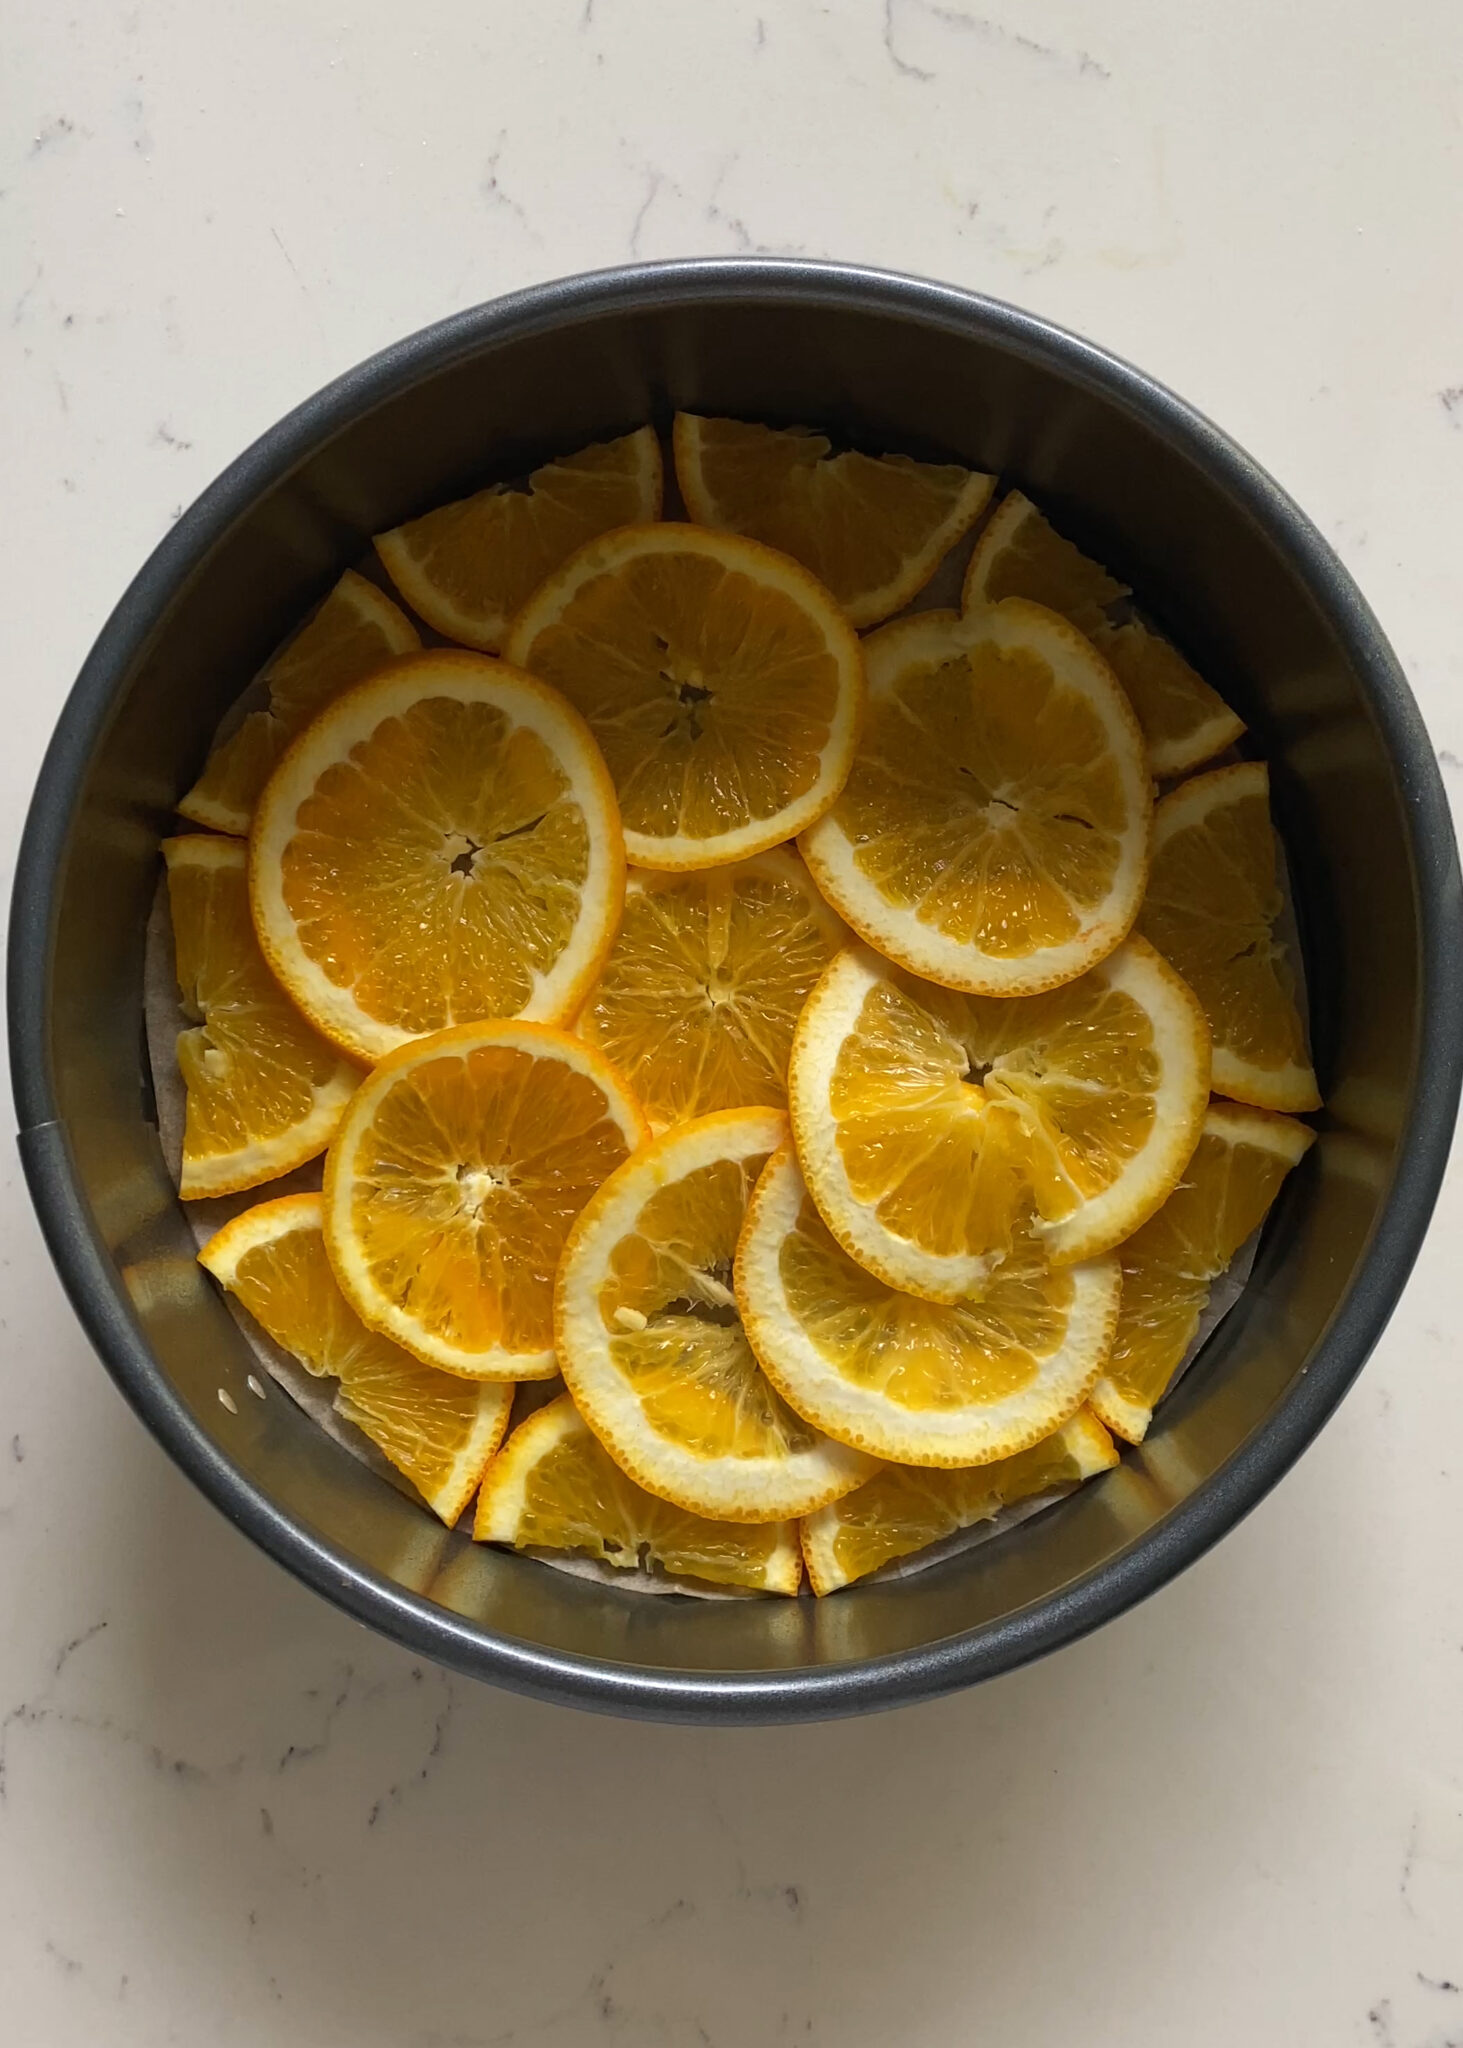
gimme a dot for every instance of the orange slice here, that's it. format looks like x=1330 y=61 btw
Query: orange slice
x=703 y=986
x=921 y=1382
x=722 y=682
x=1212 y=907
x=873 y=529
x=452 y=1184
x=354 y=633
x=937 y=1130
x=1019 y=554
x=651 y=1345
x=264 y=1091
x=441 y=845
x=993 y=833
x=439 y=1431
x=555 y=1487
x=1170 y=1264
x=1184 y=721
x=900 y=1511
x=468 y=566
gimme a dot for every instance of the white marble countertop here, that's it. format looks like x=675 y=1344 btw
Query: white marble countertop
x=226 y=1814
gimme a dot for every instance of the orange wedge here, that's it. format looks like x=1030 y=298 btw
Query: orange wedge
x=703 y=986
x=1184 y=720
x=1212 y=908
x=441 y=845
x=993 y=833
x=354 y=633
x=555 y=1487
x=901 y=1511
x=1170 y=1264
x=920 y=1382
x=873 y=529
x=1019 y=554
x=438 y=1431
x=468 y=566
x=723 y=684
x=264 y=1091
x=452 y=1184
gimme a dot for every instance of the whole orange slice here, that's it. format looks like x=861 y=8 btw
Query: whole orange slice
x=440 y=845
x=723 y=684
x=993 y=832
x=651 y=1344
x=453 y=1182
x=920 y=1382
x=938 y=1131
